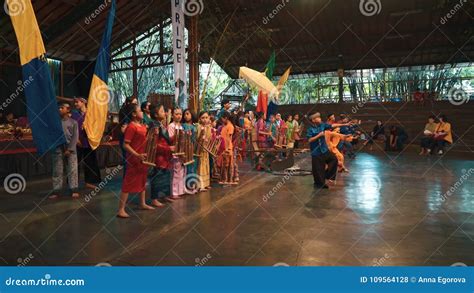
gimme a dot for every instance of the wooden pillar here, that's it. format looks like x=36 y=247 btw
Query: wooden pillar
x=162 y=43
x=318 y=94
x=340 y=74
x=193 y=51
x=134 y=68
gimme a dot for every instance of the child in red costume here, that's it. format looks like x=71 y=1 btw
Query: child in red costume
x=135 y=177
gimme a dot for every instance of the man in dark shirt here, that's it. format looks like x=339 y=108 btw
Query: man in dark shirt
x=86 y=155
x=396 y=139
x=320 y=153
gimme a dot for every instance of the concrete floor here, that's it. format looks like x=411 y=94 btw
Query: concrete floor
x=388 y=211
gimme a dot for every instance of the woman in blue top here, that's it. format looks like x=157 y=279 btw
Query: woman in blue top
x=272 y=129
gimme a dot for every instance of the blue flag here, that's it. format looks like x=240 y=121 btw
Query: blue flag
x=42 y=110
x=99 y=94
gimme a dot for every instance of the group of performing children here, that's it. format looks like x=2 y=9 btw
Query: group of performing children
x=171 y=177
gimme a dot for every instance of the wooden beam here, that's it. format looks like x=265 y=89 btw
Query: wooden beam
x=193 y=65
x=78 y=14
x=146 y=35
x=141 y=67
x=134 y=69
x=157 y=54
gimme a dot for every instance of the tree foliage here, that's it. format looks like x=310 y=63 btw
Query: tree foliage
x=384 y=84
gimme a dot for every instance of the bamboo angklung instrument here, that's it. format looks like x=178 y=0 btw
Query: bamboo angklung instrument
x=200 y=141
x=184 y=147
x=188 y=149
x=178 y=143
x=212 y=146
x=280 y=139
x=150 y=150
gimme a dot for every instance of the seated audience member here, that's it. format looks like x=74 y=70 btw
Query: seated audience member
x=442 y=135
x=428 y=135
x=377 y=133
x=396 y=139
x=418 y=96
x=22 y=122
x=426 y=96
x=10 y=119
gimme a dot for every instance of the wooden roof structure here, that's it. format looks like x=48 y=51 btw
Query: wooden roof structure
x=72 y=29
x=309 y=35
x=319 y=36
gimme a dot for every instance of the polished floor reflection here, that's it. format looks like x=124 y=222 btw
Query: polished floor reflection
x=390 y=210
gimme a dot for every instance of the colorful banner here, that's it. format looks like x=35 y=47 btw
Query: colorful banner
x=42 y=109
x=99 y=94
x=270 y=67
x=179 y=53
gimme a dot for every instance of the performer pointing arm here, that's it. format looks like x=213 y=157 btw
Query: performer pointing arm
x=321 y=156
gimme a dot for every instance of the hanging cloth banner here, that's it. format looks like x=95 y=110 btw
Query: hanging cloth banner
x=41 y=106
x=99 y=94
x=179 y=53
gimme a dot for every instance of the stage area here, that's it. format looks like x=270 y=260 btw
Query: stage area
x=389 y=210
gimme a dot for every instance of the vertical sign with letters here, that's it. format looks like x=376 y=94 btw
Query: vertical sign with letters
x=179 y=53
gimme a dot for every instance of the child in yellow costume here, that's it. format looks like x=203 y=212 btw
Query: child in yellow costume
x=332 y=140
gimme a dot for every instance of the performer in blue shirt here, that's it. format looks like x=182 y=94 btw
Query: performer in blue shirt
x=348 y=146
x=320 y=153
x=225 y=108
